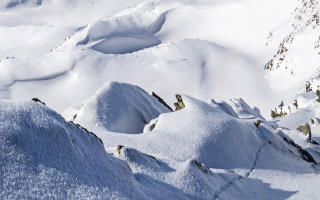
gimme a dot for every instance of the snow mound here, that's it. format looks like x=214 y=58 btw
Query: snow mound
x=44 y=157
x=119 y=107
x=207 y=133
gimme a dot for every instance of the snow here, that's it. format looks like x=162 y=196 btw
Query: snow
x=43 y=156
x=119 y=107
x=46 y=157
x=102 y=135
x=211 y=140
x=194 y=54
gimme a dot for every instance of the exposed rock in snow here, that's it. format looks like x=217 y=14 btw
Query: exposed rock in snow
x=42 y=156
x=88 y=55
x=202 y=131
x=297 y=58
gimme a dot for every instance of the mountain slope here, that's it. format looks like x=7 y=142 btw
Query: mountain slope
x=42 y=156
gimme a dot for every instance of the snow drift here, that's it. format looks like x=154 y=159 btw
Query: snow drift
x=211 y=133
x=42 y=156
x=119 y=107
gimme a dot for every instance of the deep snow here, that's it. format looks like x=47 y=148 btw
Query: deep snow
x=43 y=156
x=102 y=135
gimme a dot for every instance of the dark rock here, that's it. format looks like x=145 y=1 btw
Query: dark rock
x=161 y=101
x=38 y=100
x=179 y=104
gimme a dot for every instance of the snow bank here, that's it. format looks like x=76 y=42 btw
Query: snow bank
x=207 y=133
x=44 y=157
x=119 y=107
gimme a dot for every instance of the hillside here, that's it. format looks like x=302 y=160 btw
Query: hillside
x=161 y=99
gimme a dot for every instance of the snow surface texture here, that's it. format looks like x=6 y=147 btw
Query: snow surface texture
x=296 y=60
x=40 y=150
x=119 y=107
x=45 y=157
x=157 y=45
x=85 y=58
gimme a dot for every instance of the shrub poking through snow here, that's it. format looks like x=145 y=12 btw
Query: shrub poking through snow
x=318 y=94
x=308 y=87
x=306 y=130
x=119 y=148
x=179 y=104
x=274 y=113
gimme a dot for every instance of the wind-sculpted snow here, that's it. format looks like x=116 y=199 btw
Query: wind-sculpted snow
x=81 y=58
x=195 y=67
x=44 y=157
x=119 y=107
x=243 y=109
x=202 y=131
x=176 y=52
x=125 y=34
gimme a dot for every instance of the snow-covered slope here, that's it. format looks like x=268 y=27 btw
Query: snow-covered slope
x=43 y=156
x=117 y=107
x=175 y=134
x=97 y=62
x=296 y=59
x=174 y=51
